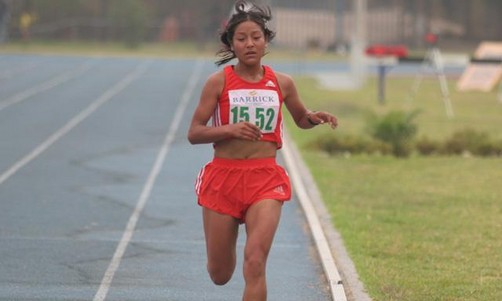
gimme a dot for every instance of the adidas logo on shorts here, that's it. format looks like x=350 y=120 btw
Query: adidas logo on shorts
x=279 y=189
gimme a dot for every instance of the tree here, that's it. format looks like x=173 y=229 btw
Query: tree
x=130 y=16
x=4 y=20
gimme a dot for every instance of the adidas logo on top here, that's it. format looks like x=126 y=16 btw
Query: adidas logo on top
x=270 y=84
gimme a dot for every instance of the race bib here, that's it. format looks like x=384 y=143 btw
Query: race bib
x=260 y=107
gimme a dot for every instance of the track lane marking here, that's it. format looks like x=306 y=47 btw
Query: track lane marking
x=7 y=74
x=147 y=188
x=105 y=97
x=52 y=83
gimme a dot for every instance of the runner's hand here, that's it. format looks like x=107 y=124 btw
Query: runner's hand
x=246 y=131
x=322 y=118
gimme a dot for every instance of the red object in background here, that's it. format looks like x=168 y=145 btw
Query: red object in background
x=379 y=50
x=431 y=38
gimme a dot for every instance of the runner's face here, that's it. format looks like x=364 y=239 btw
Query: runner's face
x=249 y=43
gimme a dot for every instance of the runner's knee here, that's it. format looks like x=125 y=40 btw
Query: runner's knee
x=254 y=263
x=220 y=275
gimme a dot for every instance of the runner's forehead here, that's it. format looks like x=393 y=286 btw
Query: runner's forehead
x=248 y=27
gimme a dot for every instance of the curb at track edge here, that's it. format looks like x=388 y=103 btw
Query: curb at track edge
x=339 y=270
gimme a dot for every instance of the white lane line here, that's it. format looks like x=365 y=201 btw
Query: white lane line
x=109 y=94
x=52 y=83
x=6 y=74
x=145 y=194
x=323 y=248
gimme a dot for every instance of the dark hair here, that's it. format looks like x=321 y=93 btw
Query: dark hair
x=243 y=11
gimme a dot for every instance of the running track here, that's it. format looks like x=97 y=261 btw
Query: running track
x=96 y=187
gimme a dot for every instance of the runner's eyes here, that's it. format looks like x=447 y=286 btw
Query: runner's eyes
x=255 y=38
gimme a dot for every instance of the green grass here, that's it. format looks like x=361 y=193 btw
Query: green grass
x=480 y=111
x=422 y=228
x=109 y=49
x=161 y=50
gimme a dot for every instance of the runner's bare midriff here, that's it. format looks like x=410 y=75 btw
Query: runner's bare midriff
x=243 y=149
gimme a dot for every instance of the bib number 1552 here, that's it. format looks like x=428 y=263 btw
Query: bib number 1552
x=263 y=117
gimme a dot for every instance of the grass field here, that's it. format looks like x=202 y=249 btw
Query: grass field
x=421 y=228
x=160 y=50
x=108 y=49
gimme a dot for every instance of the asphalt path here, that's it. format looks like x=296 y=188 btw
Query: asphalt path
x=96 y=187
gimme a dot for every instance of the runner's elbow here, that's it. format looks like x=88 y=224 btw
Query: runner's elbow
x=191 y=137
x=194 y=137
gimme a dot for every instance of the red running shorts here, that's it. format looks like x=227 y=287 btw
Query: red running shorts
x=230 y=186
